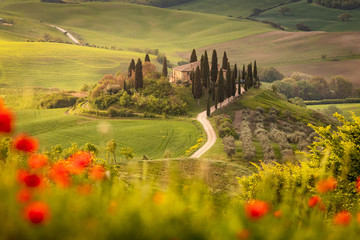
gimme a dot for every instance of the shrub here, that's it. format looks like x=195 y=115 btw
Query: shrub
x=123 y=112
x=58 y=100
x=248 y=148
x=269 y=74
x=303 y=27
x=229 y=146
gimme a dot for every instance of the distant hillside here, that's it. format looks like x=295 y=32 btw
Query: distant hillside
x=236 y=8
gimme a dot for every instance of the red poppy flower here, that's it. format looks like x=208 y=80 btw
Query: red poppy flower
x=25 y=143
x=84 y=189
x=342 y=218
x=159 y=198
x=37 y=212
x=358 y=184
x=326 y=185
x=6 y=120
x=97 y=173
x=278 y=214
x=313 y=201
x=37 y=161
x=358 y=218
x=24 y=195
x=79 y=161
x=21 y=174
x=60 y=175
x=32 y=180
x=243 y=234
x=256 y=209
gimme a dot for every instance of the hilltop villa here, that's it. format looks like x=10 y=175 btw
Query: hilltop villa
x=182 y=73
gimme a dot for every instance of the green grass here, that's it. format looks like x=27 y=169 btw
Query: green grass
x=317 y=17
x=147 y=137
x=236 y=8
x=55 y=65
x=267 y=99
x=129 y=25
x=345 y=108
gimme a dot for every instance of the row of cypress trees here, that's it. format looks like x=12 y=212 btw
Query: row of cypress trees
x=212 y=80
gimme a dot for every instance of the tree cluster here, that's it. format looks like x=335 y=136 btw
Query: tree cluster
x=142 y=89
x=314 y=87
x=340 y=4
x=219 y=83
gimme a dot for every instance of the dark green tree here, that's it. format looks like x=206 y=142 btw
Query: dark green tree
x=214 y=71
x=225 y=61
x=165 y=69
x=216 y=96
x=205 y=70
x=131 y=68
x=147 y=58
x=239 y=85
x=250 y=75
x=193 y=57
x=235 y=71
x=192 y=79
x=139 y=80
x=233 y=84
x=221 y=87
x=243 y=73
x=228 y=88
x=256 y=77
x=197 y=85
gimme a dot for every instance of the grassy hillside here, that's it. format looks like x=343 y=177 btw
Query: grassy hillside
x=316 y=17
x=220 y=176
x=151 y=138
x=267 y=99
x=236 y=8
x=128 y=25
x=345 y=108
x=54 y=65
x=297 y=51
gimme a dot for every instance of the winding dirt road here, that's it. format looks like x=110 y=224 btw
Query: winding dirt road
x=69 y=35
x=210 y=131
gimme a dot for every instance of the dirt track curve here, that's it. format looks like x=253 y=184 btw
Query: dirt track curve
x=210 y=131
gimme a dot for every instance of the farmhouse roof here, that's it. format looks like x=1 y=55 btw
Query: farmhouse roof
x=191 y=66
x=187 y=67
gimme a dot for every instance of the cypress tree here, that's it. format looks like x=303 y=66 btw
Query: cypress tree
x=124 y=87
x=197 y=85
x=131 y=68
x=221 y=87
x=205 y=70
x=233 y=84
x=250 y=75
x=225 y=61
x=256 y=76
x=214 y=71
x=235 y=72
x=147 y=58
x=228 y=88
x=193 y=57
x=243 y=74
x=239 y=85
x=192 y=79
x=216 y=97
x=138 y=75
x=165 y=70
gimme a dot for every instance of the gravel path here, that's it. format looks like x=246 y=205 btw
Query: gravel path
x=210 y=131
x=69 y=35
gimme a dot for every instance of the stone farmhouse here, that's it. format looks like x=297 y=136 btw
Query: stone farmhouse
x=182 y=73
